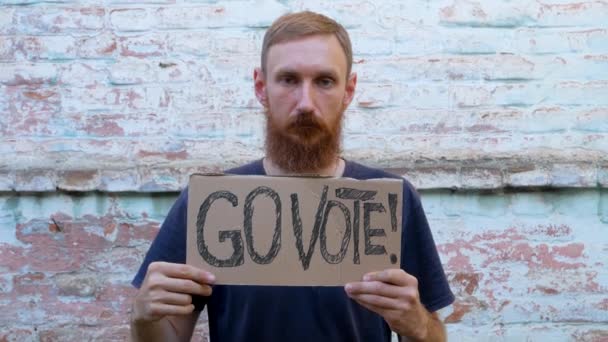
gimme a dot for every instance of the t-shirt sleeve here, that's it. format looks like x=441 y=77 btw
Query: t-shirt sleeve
x=419 y=254
x=170 y=243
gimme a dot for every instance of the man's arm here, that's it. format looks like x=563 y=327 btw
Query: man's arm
x=163 y=309
x=169 y=328
x=435 y=330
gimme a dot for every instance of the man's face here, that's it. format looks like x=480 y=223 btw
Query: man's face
x=305 y=91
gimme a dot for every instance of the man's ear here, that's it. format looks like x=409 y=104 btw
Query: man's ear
x=351 y=84
x=259 y=82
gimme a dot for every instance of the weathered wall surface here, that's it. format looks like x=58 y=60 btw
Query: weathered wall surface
x=497 y=111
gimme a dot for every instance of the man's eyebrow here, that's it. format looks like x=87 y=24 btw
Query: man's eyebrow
x=286 y=72
x=293 y=72
x=328 y=73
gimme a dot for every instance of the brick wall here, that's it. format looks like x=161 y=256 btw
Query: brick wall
x=497 y=111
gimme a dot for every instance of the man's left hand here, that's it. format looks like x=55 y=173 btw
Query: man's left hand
x=393 y=294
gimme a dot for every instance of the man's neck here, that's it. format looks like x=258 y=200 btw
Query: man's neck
x=335 y=169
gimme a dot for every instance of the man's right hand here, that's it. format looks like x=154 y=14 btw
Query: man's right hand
x=167 y=290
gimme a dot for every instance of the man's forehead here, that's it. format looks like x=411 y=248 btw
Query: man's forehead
x=319 y=52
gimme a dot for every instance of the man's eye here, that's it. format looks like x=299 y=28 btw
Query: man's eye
x=325 y=82
x=288 y=80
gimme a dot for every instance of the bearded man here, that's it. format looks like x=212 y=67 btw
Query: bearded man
x=305 y=85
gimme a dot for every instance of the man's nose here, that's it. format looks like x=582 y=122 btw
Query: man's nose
x=306 y=98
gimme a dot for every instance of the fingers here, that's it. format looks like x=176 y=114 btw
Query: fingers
x=377 y=302
x=392 y=276
x=182 y=271
x=178 y=278
x=163 y=309
x=388 y=290
x=377 y=309
x=167 y=290
x=181 y=286
x=373 y=287
x=175 y=298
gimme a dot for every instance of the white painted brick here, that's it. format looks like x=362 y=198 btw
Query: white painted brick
x=132 y=19
x=229 y=14
x=354 y=14
x=27 y=73
x=371 y=43
x=197 y=43
x=434 y=178
x=237 y=41
x=533 y=204
x=602 y=177
x=7 y=180
x=594 y=93
x=108 y=98
x=229 y=69
x=132 y=71
x=535 y=121
x=44 y=20
x=7 y=25
x=170 y=70
x=540 y=41
x=143 y=45
x=39 y=181
x=374 y=95
x=464 y=40
x=564 y=175
x=399 y=15
x=565 y=203
x=417 y=40
x=7 y=49
x=592 y=120
x=497 y=14
x=49 y=47
x=480 y=178
x=103 y=45
x=118 y=180
x=194 y=96
x=83 y=74
x=573 y=14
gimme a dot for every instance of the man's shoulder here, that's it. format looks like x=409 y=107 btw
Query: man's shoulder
x=359 y=171
x=252 y=168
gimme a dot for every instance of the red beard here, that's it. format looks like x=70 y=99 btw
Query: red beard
x=305 y=145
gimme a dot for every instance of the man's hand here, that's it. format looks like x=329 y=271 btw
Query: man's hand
x=393 y=294
x=167 y=290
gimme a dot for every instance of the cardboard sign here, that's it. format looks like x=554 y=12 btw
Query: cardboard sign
x=259 y=230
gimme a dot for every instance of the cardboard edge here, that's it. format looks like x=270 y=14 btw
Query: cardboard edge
x=220 y=174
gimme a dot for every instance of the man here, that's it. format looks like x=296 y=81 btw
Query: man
x=305 y=85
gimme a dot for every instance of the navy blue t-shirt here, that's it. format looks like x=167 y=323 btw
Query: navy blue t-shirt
x=306 y=313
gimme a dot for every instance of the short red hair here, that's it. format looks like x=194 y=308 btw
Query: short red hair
x=303 y=24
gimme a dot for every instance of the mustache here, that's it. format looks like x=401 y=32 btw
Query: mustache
x=305 y=120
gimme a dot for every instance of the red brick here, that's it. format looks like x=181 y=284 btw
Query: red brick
x=12 y=257
x=66 y=334
x=15 y=334
x=116 y=333
x=78 y=180
x=76 y=284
